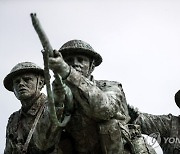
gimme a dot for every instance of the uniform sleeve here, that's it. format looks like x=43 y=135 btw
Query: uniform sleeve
x=101 y=104
x=8 y=146
x=154 y=124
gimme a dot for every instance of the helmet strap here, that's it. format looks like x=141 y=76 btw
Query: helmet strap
x=91 y=68
x=37 y=85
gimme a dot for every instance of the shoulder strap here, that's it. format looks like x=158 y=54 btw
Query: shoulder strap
x=25 y=147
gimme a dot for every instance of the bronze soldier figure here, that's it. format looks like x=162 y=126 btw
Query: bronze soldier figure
x=99 y=106
x=99 y=120
x=165 y=128
x=100 y=115
x=28 y=129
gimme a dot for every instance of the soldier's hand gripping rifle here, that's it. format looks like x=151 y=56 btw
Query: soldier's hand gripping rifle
x=48 y=52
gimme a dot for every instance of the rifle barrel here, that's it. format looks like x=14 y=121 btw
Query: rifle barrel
x=42 y=35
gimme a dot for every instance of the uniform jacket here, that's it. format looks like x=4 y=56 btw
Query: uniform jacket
x=18 y=128
x=166 y=128
x=95 y=116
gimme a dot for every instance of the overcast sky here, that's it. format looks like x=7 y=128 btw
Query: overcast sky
x=139 y=41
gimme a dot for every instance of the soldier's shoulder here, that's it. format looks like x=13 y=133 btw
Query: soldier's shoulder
x=106 y=84
x=14 y=114
x=13 y=117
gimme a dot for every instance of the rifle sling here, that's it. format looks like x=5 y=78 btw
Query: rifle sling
x=25 y=146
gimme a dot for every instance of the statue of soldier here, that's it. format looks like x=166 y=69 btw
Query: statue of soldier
x=99 y=106
x=28 y=129
x=165 y=128
x=100 y=110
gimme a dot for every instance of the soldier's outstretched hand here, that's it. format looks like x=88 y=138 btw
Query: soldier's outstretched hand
x=58 y=65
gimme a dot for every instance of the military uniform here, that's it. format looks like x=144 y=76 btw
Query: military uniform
x=95 y=118
x=165 y=128
x=100 y=114
x=96 y=124
x=45 y=137
x=19 y=126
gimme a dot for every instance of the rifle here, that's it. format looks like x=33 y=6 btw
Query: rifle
x=48 y=52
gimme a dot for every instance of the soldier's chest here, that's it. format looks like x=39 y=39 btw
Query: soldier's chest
x=26 y=124
x=83 y=130
x=18 y=130
x=81 y=122
x=21 y=127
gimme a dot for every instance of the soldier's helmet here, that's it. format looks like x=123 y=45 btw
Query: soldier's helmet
x=177 y=98
x=80 y=47
x=21 y=68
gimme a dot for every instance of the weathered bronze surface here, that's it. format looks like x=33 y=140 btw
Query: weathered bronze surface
x=164 y=128
x=98 y=119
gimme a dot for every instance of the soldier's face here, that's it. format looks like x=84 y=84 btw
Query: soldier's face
x=25 y=86
x=79 y=62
